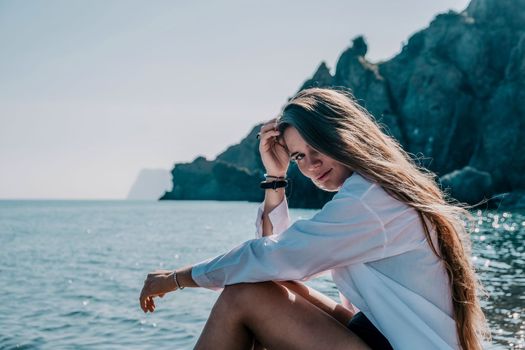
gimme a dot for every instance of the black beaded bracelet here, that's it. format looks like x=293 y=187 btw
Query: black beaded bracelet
x=273 y=184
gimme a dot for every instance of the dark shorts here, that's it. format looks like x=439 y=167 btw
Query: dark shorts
x=365 y=330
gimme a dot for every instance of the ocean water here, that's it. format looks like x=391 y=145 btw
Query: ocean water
x=71 y=271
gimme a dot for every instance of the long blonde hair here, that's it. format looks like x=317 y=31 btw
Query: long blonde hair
x=334 y=124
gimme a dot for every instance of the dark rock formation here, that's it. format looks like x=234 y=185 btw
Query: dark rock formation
x=321 y=78
x=455 y=94
x=468 y=185
x=204 y=179
x=245 y=154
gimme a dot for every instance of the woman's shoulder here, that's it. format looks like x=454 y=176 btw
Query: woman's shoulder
x=352 y=196
x=356 y=186
x=368 y=192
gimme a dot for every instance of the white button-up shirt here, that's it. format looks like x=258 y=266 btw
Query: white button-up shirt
x=376 y=250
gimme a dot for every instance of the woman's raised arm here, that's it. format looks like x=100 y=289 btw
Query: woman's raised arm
x=275 y=159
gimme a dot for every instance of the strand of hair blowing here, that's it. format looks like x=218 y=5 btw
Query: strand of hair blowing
x=325 y=118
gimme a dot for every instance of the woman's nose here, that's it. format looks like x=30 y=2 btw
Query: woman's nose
x=314 y=162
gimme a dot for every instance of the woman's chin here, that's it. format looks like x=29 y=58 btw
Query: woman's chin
x=327 y=186
x=332 y=189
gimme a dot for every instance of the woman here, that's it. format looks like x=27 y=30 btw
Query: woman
x=393 y=245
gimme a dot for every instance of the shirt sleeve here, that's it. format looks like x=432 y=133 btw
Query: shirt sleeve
x=344 y=232
x=279 y=217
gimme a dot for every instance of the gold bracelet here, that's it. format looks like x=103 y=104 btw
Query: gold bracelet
x=177 y=282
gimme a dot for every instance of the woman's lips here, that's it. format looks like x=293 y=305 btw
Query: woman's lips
x=322 y=177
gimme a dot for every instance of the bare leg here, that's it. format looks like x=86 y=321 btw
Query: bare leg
x=337 y=311
x=276 y=317
x=258 y=346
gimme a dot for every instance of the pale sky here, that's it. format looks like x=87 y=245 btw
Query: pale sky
x=92 y=91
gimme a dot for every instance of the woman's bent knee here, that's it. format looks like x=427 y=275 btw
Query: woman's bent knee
x=248 y=295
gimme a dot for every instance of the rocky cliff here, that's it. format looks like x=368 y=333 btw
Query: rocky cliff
x=454 y=97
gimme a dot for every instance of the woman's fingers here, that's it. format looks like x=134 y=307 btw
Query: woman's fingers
x=270 y=139
x=145 y=297
x=269 y=136
x=142 y=301
x=156 y=284
x=264 y=135
x=274 y=154
x=147 y=303
x=151 y=304
x=268 y=130
x=269 y=125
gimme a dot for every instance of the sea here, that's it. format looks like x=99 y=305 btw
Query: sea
x=71 y=271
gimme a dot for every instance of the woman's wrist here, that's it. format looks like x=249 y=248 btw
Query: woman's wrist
x=170 y=280
x=176 y=281
x=274 y=176
x=272 y=198
x=184 y=278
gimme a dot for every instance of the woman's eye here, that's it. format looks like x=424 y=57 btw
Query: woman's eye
x=298 y=157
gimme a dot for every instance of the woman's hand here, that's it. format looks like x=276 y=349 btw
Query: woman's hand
x=274 y=156
x=156 y=284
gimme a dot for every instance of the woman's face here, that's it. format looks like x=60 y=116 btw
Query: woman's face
x=325 y=172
